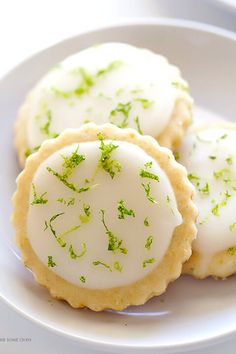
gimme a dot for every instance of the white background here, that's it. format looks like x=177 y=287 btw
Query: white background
x=26 y=26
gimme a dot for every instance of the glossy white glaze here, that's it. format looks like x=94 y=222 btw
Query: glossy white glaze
x=105 y=194
x=210 y=158
x=112 y=82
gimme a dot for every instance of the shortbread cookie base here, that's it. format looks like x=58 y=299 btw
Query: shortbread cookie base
x=154 y=283
x=20 y=131
x=171 y=137
x=180 y=120
x=221 y=264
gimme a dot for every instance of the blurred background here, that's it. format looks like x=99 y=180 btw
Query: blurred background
x=26 y=26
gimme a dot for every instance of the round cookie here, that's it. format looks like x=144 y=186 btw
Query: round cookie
x=209 y=154
x=109 y=83
x=104 y=217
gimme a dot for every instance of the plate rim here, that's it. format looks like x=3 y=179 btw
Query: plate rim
x=136 y=21
x=228 y=5
x=102 y=344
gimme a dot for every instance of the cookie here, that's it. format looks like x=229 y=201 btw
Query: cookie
x=104 y=217
x=209 y=154
x=109 y=83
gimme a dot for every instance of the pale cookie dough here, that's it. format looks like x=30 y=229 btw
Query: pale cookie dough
x=111 y=83
x=209 y=154
x=104 y=217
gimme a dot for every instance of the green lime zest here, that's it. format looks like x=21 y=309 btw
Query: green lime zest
x=29 y=151
x=229 y=160
x=117 y=266
x=71 y=201
x=146 y=222
x=45 y=225
x=61 y=242
x=147 y=189
x=46 y=128
x=176 y=155
x=123 y=109
x=65 y=181
x=114 y=243
x=205 y=189
x=84 y=218
x=69 y=164
x=38 y=199
x=60 y=93
x=146 y=174
x=144 y=102
x=193 y=177
x=116 y=64
x=119 y=91
x=148 y=261
x=149 y=242
x=87 y=80
x=232 y=226
x=148 y=164
x=231 y=251
x=82 y=279
x=69 y=231
x=74 y=255
x=51 y=262
x=123 y=211
x=221 y=173
x=136 y=120
x=108 y=164
x=203 y=221
x=180 y=86
x=59 y=237
x=61 y=200
x=215 y=210
x=137 y=90
x=222 y=137
x=72 y=161
x=96 y=263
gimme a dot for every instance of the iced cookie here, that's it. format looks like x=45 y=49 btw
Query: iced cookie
x=209 y=154
x=110 y=83
x=104 y=217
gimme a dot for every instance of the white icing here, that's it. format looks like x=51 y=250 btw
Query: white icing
x=163 y=216
x=139 y=70
x=203 y=153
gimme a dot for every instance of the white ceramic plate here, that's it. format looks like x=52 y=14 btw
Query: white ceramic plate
x=230 y=4
x=191 y=313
